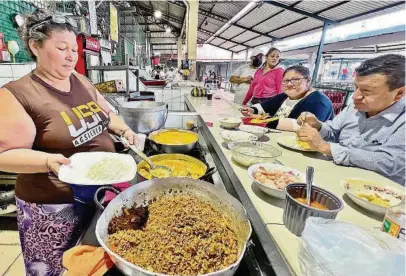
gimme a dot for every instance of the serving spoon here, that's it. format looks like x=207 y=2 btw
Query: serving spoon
x=157 y=171
x=309 y=183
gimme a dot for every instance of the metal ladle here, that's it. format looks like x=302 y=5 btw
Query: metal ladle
x=309 y=182
x=157 y=171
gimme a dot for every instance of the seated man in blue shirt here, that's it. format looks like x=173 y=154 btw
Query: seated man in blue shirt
x=370 y=133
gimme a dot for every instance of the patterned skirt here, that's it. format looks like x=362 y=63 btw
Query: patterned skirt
x=46 y=232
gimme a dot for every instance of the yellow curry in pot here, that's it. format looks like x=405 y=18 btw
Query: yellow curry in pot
x=181 y=165
x=175 y=137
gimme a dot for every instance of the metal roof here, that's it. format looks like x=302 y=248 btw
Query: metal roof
x=173 y=14
x=265 y=21
x=268 y=21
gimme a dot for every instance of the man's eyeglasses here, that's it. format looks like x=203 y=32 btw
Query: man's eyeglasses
x=293 y=81
x=56 y=18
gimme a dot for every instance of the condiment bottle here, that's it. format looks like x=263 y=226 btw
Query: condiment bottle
x=394 y=221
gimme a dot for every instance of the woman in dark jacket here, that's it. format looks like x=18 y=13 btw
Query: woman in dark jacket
x=298 y=97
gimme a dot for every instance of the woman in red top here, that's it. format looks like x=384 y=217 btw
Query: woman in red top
x=267 y=80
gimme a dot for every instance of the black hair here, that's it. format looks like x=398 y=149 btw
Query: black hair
x=391 y=65
x=304 y=71
x=43 y=31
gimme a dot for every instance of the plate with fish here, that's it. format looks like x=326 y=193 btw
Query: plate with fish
x=98 y=168
x=371 y=195
x=292 y=142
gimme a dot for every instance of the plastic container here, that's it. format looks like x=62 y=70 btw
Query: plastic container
x=395 y=220
x=296 y=213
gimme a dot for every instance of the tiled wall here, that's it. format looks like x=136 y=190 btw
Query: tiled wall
x=7 y=10
x=14 y=71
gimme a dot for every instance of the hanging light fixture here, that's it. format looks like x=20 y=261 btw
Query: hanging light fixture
x=158 y=14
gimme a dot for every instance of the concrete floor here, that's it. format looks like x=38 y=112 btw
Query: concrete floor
x=11 y=263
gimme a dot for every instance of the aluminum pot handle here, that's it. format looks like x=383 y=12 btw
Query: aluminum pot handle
x=166 y=116
x=104 y=188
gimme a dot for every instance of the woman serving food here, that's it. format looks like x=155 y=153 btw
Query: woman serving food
x=298 y=97
x=45 y=117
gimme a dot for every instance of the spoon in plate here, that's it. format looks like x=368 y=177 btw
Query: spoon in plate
x=157 y=171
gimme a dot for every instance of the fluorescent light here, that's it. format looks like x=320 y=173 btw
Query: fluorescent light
x=158 y=14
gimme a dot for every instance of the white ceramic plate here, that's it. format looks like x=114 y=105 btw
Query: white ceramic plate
x=76 y=171
x=230 y=122
x=268 y=188
x=354 y=186
x=291 y=142
x=256 y=130
x=233 y=136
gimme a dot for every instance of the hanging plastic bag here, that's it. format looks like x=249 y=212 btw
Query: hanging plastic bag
x=335 y=248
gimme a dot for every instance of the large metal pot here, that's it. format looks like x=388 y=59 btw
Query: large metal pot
x=144 y=116
x=169 y=148
x=143 y=192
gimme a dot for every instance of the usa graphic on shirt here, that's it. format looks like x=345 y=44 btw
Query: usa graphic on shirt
x=88 y=130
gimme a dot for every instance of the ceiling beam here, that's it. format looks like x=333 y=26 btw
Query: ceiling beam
x=163 y=43
x=290 y=23
x=161 y=23
x=254 y=31
x=302 y=12
x=221 y=47
x=177 y=3
x=151 y=32
x=214 y=16
x=205 y=18
x=279 y=12
x=225 y=20
x=205 y=31
x=164 y=16
x=302 y=32
x=266 y=19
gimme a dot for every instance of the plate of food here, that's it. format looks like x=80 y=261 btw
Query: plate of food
x=98 y=168
x=230 y=122
x=273 y=178
x=256 y=130
x=232 y=136
x=258 y=120
x=371 y=195
x=293 y=142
